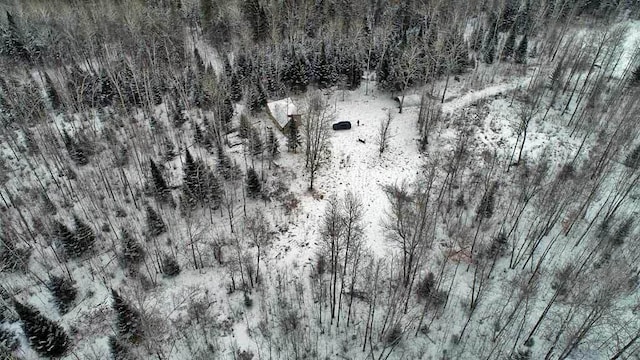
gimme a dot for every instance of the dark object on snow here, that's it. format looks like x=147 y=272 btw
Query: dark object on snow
x=362 y=141
x=342 y=125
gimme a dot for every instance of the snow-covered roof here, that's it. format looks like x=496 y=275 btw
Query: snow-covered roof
x=281 y=109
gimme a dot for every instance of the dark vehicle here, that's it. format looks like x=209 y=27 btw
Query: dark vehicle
x=342 y=125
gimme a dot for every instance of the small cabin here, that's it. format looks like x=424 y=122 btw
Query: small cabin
x=282 y=112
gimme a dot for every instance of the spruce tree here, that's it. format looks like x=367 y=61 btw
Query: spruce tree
x=520 y=56
x=634 y=80
x=224 y=163
x=198 y=137
x=293 y=136
x=254 y=186
x=45 y=336
x=633 y=158
x=128 y=320
x=489 y=50
x=170 y=266
x=160 y=188
x=52 y=93
x=273 y=145
x=14 y=43
x=509 y=45
x=255 y=142
x=155 y=225
x=84 y=236
x=63 y=291
x=118 y=349
x=132 y=251
x=245 y=127
x=295 y=74
x=67 y=239
x=236 y=88
x=487 y=203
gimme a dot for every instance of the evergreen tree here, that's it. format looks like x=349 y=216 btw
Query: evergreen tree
x=198 y=137
x=235 y=88
x=67 y=239
x=244 y=131
x=254 y=186
x=633 y=159
x=161 y=190
x=14 y=40
x=155 y=225
x=295 y=74
x=622 y=232
x=45 y=336
x=487 y=203
x=520 y=56
x=132 y=251
x=118 y=349
x=634 y=81
x=324 y=72
x=255 y=142
x=52 y=93
x=170 y=266
x=64 y=293
x=84 y=236
x=128 y=320
x=293 y=136
x=509 y=45
x=200 y=65
x=489 y=52
x=273 y=145
x=224 y=163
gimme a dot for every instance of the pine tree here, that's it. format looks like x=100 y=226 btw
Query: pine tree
x=200 y=66
x=14 y=43
x=324 y=72
x=236 y=88
x=520 y=56
x=161 y=190
x=118 y=349
x=245 y=127
x=67 y=239
x=255 y=142
x=132 y=251
x=295 y=74
x=45 y=336
x=84 y=236
x=198 y=137
x=487 y=203
x=633 y=159
x=273 y=145
x=224 y=163
x=155 y=224
x=293 y=136
x=64 y=293
x=52 y=93
x=509 y=45
x=254 y=186
x=128 y=320
x=634 y=80
x=622 y=232
x=489 y=50
x=170 y=266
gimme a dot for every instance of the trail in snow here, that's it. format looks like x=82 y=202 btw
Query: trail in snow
x=470 y=98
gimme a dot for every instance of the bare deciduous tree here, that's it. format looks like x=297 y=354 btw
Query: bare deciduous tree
x=316 y=132
x=383 y=133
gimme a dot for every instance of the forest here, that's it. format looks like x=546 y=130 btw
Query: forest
x=171 y=186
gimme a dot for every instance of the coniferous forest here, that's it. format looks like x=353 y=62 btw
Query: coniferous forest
x=326 y=179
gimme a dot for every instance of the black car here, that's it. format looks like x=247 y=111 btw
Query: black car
x=342 y=125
